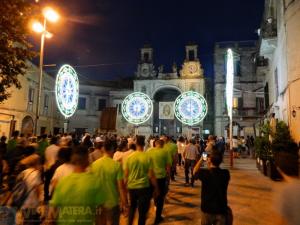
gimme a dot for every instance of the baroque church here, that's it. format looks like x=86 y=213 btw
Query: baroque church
x=164 y=87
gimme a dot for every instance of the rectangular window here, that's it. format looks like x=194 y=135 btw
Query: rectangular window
x=46 y=101
x=81 y=103
x=46 y=104
x=31 y=95
x=260 y=105
x=101 y=104
x=191 y=55
x=235 y=103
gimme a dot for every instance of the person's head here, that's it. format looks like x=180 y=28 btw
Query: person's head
x=44 y=136
x=140 y=141
x=3 y=139
x=159 y=143
x=192 y=141
x=32 y=161
x=15 y=134
x=214 y=158
x=110 y=145
x=80 y=157
x=181 y=139
x=54 y=140
x=211 y=138
x=64 y=154
x=99 y=143
x=123 y=145
x=132 y=146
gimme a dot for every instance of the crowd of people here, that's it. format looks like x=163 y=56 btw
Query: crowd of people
x=93 y=180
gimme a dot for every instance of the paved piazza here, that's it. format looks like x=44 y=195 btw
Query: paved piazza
x=250 y=196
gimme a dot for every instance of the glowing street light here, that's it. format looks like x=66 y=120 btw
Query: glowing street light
x=52 y=16
x=229 y=96
x=37 y=27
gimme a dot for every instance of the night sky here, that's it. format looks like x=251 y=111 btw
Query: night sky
x=102 y=38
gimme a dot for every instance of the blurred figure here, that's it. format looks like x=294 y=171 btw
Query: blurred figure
x=111 y=177
x=34 y=183
x=42 y=145
x=98 y=151
x=180 y=149
x=171 y=148
x=161 y=167
x=51 y=152
x=78 y=196
x=62 y=171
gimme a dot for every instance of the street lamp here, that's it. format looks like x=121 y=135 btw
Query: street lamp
x=52 y=16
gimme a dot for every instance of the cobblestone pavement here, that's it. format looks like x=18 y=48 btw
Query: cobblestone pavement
x=250 y=196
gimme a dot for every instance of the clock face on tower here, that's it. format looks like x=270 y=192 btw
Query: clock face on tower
x=192 y=68
x=145 y=70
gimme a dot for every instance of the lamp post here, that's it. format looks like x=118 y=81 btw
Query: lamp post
x=52 y=16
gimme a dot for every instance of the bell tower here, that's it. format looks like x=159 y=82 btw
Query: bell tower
x=191 y=53
x=145 y=67
x=191 y=67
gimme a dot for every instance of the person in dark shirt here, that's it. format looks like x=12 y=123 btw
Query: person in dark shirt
x=214 y=189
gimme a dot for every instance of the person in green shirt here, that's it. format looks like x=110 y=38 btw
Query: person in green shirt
x=171 y=148
x=110 y=175
x=12 y=143
x=161 y=166
x=77 y=197
x=42 y=145
x=138 y=170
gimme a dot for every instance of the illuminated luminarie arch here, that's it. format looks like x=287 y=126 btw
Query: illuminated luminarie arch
x=137 y=108
x=67 y=90
x=190 y=108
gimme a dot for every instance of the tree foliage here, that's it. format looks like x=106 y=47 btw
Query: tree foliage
x=15 y=49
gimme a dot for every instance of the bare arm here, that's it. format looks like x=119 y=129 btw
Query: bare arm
x=197 y=167
x=123 y=194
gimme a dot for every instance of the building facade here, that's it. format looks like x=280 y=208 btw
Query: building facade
x=248 y=92
x=18 y=112
x=164 y=87
x=279 y=47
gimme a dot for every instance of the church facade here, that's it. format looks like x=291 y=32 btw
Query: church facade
x=163 y=88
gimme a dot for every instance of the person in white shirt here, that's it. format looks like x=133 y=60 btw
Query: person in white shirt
x=62 y=171
x=180 y=149
x=51 y=153
x=190 y=155
x=32 y=177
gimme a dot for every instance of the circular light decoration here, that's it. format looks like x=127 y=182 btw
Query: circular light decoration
x=137 y=108
x=67 y=90
x=190 y=108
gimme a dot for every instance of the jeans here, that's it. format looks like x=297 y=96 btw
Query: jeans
x=139 y=198
x=110 y=216
x=212 y=219
x=189 y=166
x=179 y=159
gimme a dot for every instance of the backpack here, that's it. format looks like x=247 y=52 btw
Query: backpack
x=20 y=191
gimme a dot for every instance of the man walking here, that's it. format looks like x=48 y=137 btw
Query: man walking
x=214 y=189
x=77 y=196
x=110 y=175
x=190 y=155
x=138 y=170
x=161 y=166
